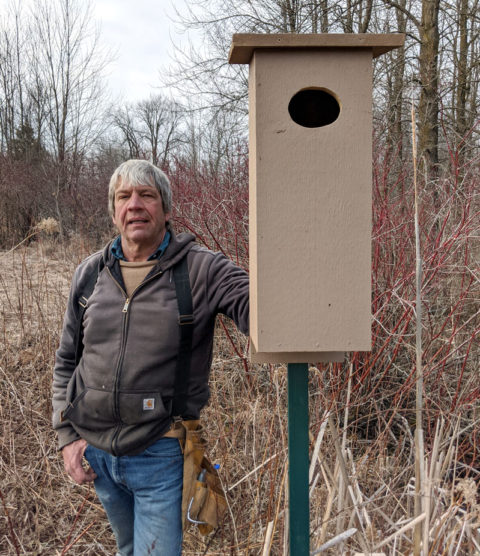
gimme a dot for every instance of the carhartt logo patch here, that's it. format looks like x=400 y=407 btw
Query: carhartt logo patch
x=148 y=403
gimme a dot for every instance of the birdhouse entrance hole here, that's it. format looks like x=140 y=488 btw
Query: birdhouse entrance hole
x=313 y=108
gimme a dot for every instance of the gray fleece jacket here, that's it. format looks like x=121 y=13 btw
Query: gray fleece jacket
x=119 y=396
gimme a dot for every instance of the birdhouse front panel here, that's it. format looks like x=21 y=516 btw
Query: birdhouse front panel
x=310 y=202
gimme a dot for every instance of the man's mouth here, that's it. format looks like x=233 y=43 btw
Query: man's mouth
x=137 y=221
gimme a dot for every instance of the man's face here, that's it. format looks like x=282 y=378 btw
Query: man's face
x=139 y=215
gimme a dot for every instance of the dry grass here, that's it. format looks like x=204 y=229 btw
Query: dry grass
x=355 y=483
x=361 y=413
x=39 y=505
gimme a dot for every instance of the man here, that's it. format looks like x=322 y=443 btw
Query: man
x=116 y=406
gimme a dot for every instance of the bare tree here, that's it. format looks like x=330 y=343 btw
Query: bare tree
x=428 y=106
x=67 y=94
x=205 y=73
x=23 y=94
x=463 y=42
x=159 y=120
x=355 y=16
x=149 y=128
x=8 y=90
x=12 y=76
x=70 y=64
x=395 y=104
x=217 y=139
x=444 y=37
x=123 y=120
x=441 y=59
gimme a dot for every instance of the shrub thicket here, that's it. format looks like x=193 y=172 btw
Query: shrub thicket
x=361 y=411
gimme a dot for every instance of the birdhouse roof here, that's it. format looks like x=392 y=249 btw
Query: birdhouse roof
x=244 y=44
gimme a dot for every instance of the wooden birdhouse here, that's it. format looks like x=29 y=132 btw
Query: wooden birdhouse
x=310 y=99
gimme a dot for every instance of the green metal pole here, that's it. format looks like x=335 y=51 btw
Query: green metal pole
x=298 y=459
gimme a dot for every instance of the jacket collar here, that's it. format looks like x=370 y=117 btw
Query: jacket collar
x=177 y=247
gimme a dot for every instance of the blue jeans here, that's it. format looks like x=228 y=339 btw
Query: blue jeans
x=142 y=496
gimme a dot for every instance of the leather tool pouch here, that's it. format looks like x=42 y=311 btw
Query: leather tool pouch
x=203 y=500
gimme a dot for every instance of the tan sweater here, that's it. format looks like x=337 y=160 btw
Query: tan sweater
x=134 y=273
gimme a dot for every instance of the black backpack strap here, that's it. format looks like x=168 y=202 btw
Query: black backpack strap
x=86 y=292
x=185 y=321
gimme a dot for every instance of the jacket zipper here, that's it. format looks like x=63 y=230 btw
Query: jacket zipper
x=116 y=409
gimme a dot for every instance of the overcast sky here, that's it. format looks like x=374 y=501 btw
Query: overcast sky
x=141 y=33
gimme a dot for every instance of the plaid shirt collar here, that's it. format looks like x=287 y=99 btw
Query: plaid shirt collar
x=117 y=250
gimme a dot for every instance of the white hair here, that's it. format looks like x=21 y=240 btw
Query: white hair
x=140 y=172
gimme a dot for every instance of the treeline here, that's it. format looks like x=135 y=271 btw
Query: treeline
x=438 y=68
x=61 y=136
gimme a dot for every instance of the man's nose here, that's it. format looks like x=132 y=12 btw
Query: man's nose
x=135 y=201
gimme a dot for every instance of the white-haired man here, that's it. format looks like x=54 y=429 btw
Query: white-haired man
x=117 y=404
